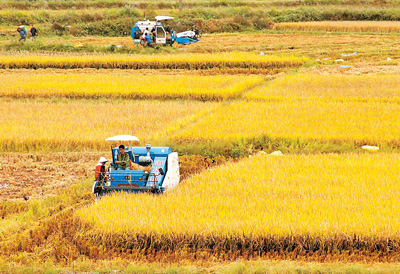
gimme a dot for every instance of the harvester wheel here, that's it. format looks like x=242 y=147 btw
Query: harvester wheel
x=156 y=191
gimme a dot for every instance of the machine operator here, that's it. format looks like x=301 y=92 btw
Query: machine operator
x=122 y=158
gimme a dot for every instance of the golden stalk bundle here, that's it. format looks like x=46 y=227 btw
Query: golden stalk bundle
x=178 y=61
x=134 y=85
x=321 y=196
x=343 y=122
x=342 y=26
x=339 y=87
x=84 y=125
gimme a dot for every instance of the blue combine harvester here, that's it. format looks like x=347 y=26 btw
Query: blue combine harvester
x=164 y=36
x=151 y=169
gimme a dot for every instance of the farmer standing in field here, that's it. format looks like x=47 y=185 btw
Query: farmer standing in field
x=100 y=171
x=168 y=28
x=143 y=37
x=33 y=33
x=22 y=34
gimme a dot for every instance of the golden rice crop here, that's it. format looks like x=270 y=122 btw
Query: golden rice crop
x=126 y=85
x=321 y=197
x=342 y=26
x=177 y=61
x=340 y=87
x=343 y=122
x=53 y=125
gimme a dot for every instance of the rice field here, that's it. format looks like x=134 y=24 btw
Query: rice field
x=343 y=109
x=178 y=61
x=129 y=84
x=210 y=101
x=370 y=87
x=355 y=123
x=62 y=125
x=325 y=201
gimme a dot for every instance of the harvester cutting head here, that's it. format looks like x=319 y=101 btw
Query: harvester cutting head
x=151 y=169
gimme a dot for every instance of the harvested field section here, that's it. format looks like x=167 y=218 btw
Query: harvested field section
x=321 y=45
x=342 y=26
x=40 y=176
x=82 y=125
x=357 y=69
x=312 y=45
x=341 y=87
x=342 y=122
x=178 y=61
x=315 y=203
x=125 y=85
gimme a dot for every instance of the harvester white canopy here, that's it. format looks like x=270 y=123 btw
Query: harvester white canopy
x=123 y=138
x=370 y=148
x=163 y=18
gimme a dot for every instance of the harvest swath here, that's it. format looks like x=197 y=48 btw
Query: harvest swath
x=83 y=125
x=384 y=87
x=131 y=84
x=177 y=61
x=315 y=204
x=342 y=26
x=306 y=120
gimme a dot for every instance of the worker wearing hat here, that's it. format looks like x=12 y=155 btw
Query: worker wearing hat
x=100 y=171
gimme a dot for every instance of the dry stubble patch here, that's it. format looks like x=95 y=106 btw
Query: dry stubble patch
x=342 y=26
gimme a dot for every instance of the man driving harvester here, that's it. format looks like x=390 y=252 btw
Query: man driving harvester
x=122 y=158
x=124 y=163
x=141 y=169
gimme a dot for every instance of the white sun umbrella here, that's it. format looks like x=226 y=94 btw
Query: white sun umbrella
x=370 y=148
x=163 y=18
x=121 y=138
x=128 y=138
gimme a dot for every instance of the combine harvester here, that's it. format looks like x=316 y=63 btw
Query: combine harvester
x=163 y=37
x=161 y=163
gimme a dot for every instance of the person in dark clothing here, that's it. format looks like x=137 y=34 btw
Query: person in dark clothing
x=153 y=34
x=34 y=33
x=168 y=29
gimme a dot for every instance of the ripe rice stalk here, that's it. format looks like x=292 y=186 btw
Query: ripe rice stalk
x=299 y=205
x=372 y=87
x=83 y=125
x=347 y=122
x=178 y=61
x=134 y=85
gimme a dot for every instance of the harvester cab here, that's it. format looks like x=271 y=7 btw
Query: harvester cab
x=151 y=169
x=164 y=36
